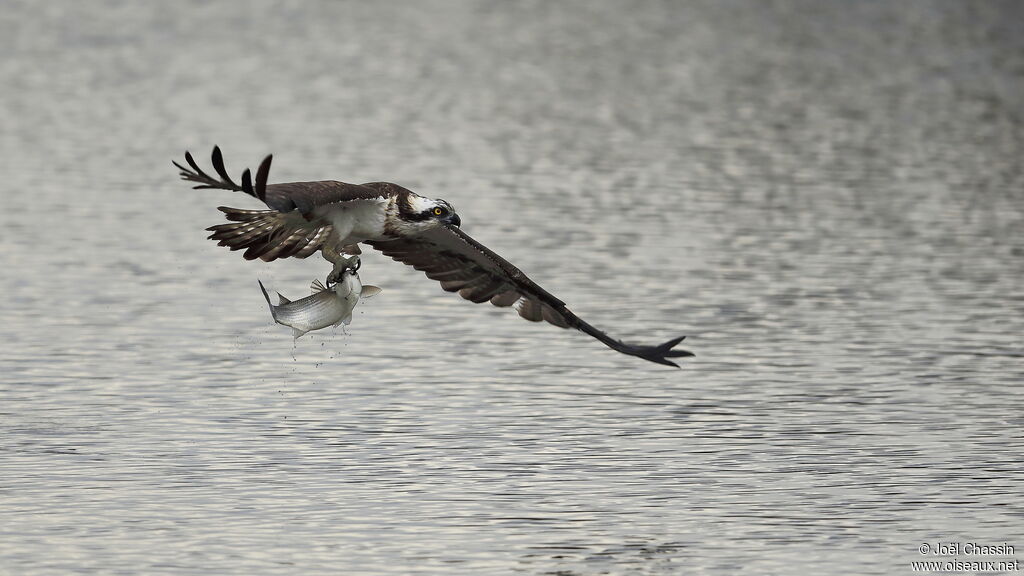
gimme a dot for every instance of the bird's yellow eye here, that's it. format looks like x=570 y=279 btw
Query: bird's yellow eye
x=438 y=211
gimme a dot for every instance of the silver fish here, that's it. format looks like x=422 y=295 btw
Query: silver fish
x=327 y=306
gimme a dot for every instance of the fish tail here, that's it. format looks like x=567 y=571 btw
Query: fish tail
x=273 y=312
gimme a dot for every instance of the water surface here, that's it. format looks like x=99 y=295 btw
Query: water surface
x=825 y=196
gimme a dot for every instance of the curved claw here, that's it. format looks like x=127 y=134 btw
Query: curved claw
x=341 y=264
x=335 y=276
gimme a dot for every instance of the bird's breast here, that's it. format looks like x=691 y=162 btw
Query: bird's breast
x=358 y=221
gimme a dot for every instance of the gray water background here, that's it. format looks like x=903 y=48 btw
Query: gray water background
x=826 y=197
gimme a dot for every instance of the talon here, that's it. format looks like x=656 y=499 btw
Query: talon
x=340 y=267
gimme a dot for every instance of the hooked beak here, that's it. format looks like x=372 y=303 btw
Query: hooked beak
x=454 y=220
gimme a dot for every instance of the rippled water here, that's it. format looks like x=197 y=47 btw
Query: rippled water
x=827 y=197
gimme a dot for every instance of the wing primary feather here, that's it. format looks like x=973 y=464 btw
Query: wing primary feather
x=261 y=177
x=218 y=165
x=204 y=180
x=247 y=183
x=180 y=168
x=192 y=162
x=658 y=354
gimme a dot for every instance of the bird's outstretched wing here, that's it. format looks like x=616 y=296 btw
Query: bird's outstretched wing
x=463 y=265
x=286 y=197
x=291 y=227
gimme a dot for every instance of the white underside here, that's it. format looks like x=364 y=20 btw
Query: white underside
x=355 y=221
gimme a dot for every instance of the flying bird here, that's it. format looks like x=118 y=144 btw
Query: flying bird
x=335 y=217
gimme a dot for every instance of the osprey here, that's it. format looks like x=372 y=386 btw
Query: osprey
x=335 y=217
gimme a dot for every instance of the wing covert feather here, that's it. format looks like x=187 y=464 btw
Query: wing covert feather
x=308 y=196
x=463 y=265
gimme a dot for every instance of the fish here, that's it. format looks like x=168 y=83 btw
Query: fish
x=329 y=305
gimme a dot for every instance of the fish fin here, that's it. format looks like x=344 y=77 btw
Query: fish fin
x=317 y=286
x=296 y=333
x=369 y=291
x=347 y=319
x=283 y=300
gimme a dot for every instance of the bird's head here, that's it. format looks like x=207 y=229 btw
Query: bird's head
x=419 y=214
x=444 y=213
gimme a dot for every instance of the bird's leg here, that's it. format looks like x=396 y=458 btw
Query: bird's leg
x=340 y=265
x=331 y=253
x=334 y=256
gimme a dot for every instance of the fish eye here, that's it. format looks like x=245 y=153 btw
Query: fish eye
x=438 y=211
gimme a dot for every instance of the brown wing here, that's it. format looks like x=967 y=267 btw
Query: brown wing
x=302 y=196
x=307 y=196
x=287 y=229
x=269 y=234
x=463 y=265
